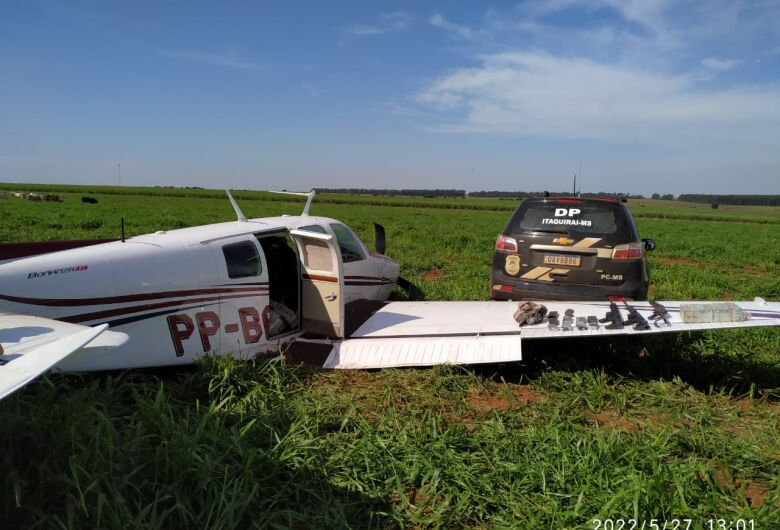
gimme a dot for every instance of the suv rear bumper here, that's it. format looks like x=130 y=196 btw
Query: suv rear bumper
x=521 y=290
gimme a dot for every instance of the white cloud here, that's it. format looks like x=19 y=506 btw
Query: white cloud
x=712 y=66
x=386 y=23
x=226 y=59
x=361 y=30
x=675 y=24
x=536 y=93
x=311 y=90
x=719 y=65
x=464 y=32
x=647 y=13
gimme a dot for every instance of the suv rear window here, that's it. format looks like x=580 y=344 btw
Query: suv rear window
x=572 y=218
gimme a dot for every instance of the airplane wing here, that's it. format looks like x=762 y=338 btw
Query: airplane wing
x=428 y=333
x=31 y=346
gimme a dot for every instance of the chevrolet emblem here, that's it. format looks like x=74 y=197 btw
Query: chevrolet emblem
x=563 y=241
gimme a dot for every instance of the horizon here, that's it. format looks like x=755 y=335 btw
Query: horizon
x=368 y=191
x=648 y=96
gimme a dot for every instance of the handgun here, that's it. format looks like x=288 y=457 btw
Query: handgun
x=613 y=316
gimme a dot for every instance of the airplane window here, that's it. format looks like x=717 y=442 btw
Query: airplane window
x=348 y=243
x=316 y=255
x=314 y=228
x=242 y=260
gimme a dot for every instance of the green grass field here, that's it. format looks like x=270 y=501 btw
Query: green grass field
x=671 y=427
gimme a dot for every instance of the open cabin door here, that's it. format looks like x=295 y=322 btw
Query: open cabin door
x=322 y=283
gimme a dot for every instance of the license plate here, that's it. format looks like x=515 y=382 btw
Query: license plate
x=561 y=259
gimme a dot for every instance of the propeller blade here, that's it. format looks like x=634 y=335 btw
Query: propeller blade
x=379 y=238
x=404 y=284
x=414 y=292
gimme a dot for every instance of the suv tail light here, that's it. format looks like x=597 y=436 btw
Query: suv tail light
x=506 y=244
x=503 y=288
x=627 y=251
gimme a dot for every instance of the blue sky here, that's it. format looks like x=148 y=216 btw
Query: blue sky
x=643 y=95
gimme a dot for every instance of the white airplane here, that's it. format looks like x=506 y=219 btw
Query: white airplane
x=241 y=287
x=251 y=286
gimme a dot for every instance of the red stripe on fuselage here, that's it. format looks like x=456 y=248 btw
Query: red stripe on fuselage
x=85 y=317
x=318 y=278
x=70 y=302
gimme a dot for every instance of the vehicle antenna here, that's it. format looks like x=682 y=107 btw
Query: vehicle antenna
x=239 y=213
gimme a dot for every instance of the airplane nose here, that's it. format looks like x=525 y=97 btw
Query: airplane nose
x=392 y=269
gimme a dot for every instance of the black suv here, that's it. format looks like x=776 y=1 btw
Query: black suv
x=567 y=248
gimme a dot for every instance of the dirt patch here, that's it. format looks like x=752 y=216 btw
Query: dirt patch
x=723 y=477
x=670 y=260
x=751 y=271
x=611 y=420
x=371 y=417
x=422 y=498
x=728 y=295
x=433 y=274
x=524 y=394
x=755 y=492
x=655 y=420
x=488 y=403
x=519 y=395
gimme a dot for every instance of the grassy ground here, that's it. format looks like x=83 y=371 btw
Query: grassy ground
x=684 y=426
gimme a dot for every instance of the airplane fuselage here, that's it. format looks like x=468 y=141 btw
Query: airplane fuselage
x=236 y=288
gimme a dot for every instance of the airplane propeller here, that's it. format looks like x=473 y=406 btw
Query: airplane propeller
x=412 y=290
x=379 y=238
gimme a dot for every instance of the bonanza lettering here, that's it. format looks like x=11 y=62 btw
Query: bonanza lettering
x=64 y=270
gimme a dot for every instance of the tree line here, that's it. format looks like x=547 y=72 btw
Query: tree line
x=751 y=200
x=530 y=194
x=404 y=192
x=738 y=200
x=463 y=193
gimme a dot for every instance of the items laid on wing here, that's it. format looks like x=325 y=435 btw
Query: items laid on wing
x=636 y=318
x=614 y=317
x=530 y=313
x=429 y=333
x=713 y=312
x=660 y=314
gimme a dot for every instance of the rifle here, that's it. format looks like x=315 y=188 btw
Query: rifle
x=660 y=313
x=613 y=315
x=636 y=318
